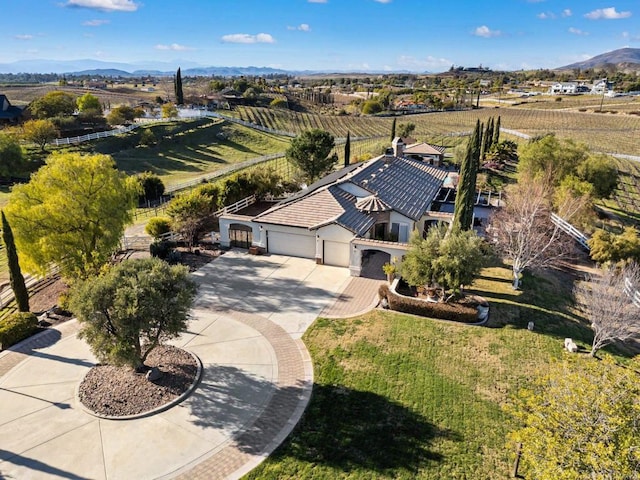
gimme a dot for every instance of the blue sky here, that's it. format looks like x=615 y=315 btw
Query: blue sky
x=337 y=35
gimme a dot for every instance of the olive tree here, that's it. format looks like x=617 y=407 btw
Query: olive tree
x=448 y=258
x=72 y=213
x=132 y=308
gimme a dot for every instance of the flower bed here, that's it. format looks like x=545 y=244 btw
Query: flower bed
x=465 y=311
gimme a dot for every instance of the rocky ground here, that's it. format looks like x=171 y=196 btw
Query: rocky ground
x=119 y=391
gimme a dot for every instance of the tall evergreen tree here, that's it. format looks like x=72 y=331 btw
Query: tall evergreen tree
x=15 y=274
x=487 y=138
x=393 y=130
x=177 y=85
x=466 y=195
x=347 y=150
x=496 y=132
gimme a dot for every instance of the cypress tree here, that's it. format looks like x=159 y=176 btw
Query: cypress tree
x=496 y=132
x=487 y=138
x=466 y=195
x=347 y=150
x=15 y=275
x=177 y=85
x=393 y=130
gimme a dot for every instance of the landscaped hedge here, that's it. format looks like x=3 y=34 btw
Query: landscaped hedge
x=16 y=327
x=443 y=311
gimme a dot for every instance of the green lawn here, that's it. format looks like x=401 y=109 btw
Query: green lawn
x=402 y=397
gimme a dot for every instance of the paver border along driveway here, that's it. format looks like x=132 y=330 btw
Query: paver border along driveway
x=257 y=381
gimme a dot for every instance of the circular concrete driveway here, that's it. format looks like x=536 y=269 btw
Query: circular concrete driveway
x=257 y=381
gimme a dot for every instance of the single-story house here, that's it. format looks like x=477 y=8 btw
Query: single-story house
x=9 y=113
x=349 y=215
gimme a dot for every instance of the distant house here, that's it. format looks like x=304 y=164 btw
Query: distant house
x=356 y=217
x=432 y=154
x=601 y=87
x=568 y=88
x=9 y=113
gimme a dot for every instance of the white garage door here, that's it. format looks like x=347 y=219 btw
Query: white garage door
x=336 y=253
x=292 y=245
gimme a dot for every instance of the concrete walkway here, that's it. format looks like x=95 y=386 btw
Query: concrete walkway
x=249 y=316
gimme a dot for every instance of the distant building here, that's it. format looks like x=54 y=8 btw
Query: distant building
x=9 y=113
x=568 y=88
x=601 y=87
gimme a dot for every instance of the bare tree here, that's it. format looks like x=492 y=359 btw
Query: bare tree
x=523 y=231
x=611 y=303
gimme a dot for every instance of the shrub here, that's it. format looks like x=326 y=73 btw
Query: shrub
x=151 y=185
x=16 y=327
x=443 y=311
x=148 y=138
x=279 y=103
x=371 y=107
x=157 y=226
x=161 y=250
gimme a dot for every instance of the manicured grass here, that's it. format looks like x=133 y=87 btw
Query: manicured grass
x=403 y=397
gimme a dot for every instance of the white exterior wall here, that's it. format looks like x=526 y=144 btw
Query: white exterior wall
x=396 y=217
x=334 y=237
x=225 y=222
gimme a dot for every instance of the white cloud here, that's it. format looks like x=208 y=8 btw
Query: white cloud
x=107 y=5
x=629 y=36
x=577 y=31
x=430 y=62
x=303 y=27
x=567 y=12
x=383 y=1
x=95 y=23
x=317 y=1
x=174 y=46
x=486 y=32
x=246 y=38
x=546 y=16
x=23 y=37
x=607 y=14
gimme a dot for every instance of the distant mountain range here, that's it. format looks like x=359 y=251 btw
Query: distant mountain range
x=116 y=69
x=623 y=59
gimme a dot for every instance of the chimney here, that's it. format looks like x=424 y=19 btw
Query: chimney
x=398 y=147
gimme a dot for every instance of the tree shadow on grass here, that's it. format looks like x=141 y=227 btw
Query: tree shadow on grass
x=354 y=430
x=342 y=428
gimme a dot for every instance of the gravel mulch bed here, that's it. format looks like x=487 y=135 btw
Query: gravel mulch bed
x=119 y=391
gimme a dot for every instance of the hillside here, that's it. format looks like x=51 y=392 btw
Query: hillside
x=623 y=58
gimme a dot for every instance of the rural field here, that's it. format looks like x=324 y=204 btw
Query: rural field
x=606 y=132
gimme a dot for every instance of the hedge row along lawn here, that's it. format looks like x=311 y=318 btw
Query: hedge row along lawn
x=403 y=397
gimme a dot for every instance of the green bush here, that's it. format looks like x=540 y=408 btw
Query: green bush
x=444 y=311
x=161 y=250
x=16 y=327
x=157 y=226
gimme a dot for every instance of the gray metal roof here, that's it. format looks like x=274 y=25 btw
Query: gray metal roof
x=408 y=186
